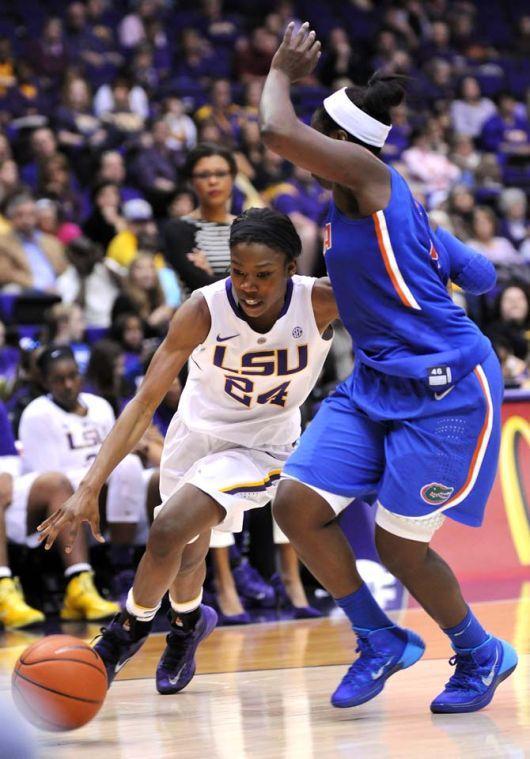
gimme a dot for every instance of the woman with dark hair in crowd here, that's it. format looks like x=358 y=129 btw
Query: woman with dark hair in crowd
x=196 y=245
x=56 y=181
x=106 y=220
x=104 y=374
x=509 y=331
x=128 y=332
x=143 y=295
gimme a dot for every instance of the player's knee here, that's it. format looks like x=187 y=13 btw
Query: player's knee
x=54 y=484
x=401 y=557
x=165 y=536
x=286 y=511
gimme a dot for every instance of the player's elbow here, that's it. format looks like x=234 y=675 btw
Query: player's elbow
x=273 y=135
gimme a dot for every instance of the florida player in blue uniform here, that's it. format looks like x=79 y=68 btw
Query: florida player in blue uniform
x=418 y=421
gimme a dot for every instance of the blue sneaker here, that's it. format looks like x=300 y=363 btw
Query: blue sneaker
x=177 y=664
x=478 y=673
x=120 y=641
x=252 y=588
x=381 y=654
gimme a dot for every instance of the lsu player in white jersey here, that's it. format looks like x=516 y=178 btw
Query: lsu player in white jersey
x=63 y=431
x=256 y=343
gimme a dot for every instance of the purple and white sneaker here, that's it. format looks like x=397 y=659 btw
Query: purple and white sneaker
x=177 y=664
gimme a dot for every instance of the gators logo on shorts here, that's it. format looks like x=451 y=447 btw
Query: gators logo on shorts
x=436 y=493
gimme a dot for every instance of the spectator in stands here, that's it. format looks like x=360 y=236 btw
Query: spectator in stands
x=9 y=358
x=57 y=181
x=253 y=54
x=156 y=167
x=497 y=249
x=66 y=325
x=9 y=180
x=511 y=319
x=433 y=171
x=91 y=281
x=63 y=431
x=139 y=225
x=25 y=501
x=182 y=129
x=141 y=233
x=131 y=30
x=222 y=112
x=511 y=346
x=464 y=155
x=122 y=105
x=508 y=130
x=513 y=206
x=196 y=246
x=340 y=59
x=49 y=221
x=28 y=384
x=29 y=259
x=112 y=169
x=79 y=132
x=49 y=54
x=43 y=145
x=129 y=334
x=105 y=374
x=470 y=110
x=7 y=66
x=196 y=59
x=106 y=220
x=143 y=295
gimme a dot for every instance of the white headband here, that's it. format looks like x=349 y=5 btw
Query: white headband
x=356 y=122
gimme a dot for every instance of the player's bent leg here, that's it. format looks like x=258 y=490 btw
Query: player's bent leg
x=384 y=648
x=186 y=514
x=481 y=661
x=191 y=620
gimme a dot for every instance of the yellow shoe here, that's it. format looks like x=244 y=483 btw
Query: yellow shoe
x=82 y=600
x=14 y=611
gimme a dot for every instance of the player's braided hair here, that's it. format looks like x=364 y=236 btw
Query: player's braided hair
x=271 y=228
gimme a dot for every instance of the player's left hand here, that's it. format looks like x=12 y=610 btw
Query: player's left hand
x=298 y=53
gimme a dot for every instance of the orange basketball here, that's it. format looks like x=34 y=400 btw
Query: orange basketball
x=59 y=683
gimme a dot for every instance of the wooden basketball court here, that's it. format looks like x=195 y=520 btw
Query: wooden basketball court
x=263 y=691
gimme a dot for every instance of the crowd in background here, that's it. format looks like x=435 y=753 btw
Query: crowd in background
x=129 y=139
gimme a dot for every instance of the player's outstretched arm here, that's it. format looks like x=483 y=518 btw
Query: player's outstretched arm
x=337 y=161
x=188 y=329
x=324 y=304
x=468 y=268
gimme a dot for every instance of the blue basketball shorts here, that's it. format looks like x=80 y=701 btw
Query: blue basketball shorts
x=424 y=454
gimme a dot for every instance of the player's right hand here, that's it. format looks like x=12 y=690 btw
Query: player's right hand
x=82 y=506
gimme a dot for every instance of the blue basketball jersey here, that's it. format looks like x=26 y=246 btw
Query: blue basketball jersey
x=389 y=277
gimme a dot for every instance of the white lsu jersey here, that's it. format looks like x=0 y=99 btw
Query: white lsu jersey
x=56 y=440
x=247 y=387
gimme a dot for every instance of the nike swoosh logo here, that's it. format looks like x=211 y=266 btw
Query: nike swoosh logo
x=439 y=396
x=228 y=337
x=174 y=680
x=379 y=672
x=121 y=665
x=489 y=679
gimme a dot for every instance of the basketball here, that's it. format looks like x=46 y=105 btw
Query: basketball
x=59 y=683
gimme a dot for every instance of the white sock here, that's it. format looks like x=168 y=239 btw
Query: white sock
x=185 y=607
x=5 y=572
x=142 y=613
x=76 y=568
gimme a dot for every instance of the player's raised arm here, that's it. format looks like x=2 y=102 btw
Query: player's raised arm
x=336 y=160
x=188 y=329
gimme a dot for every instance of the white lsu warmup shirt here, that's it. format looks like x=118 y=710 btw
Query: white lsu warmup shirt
x=56 y=440
x=247 y=387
